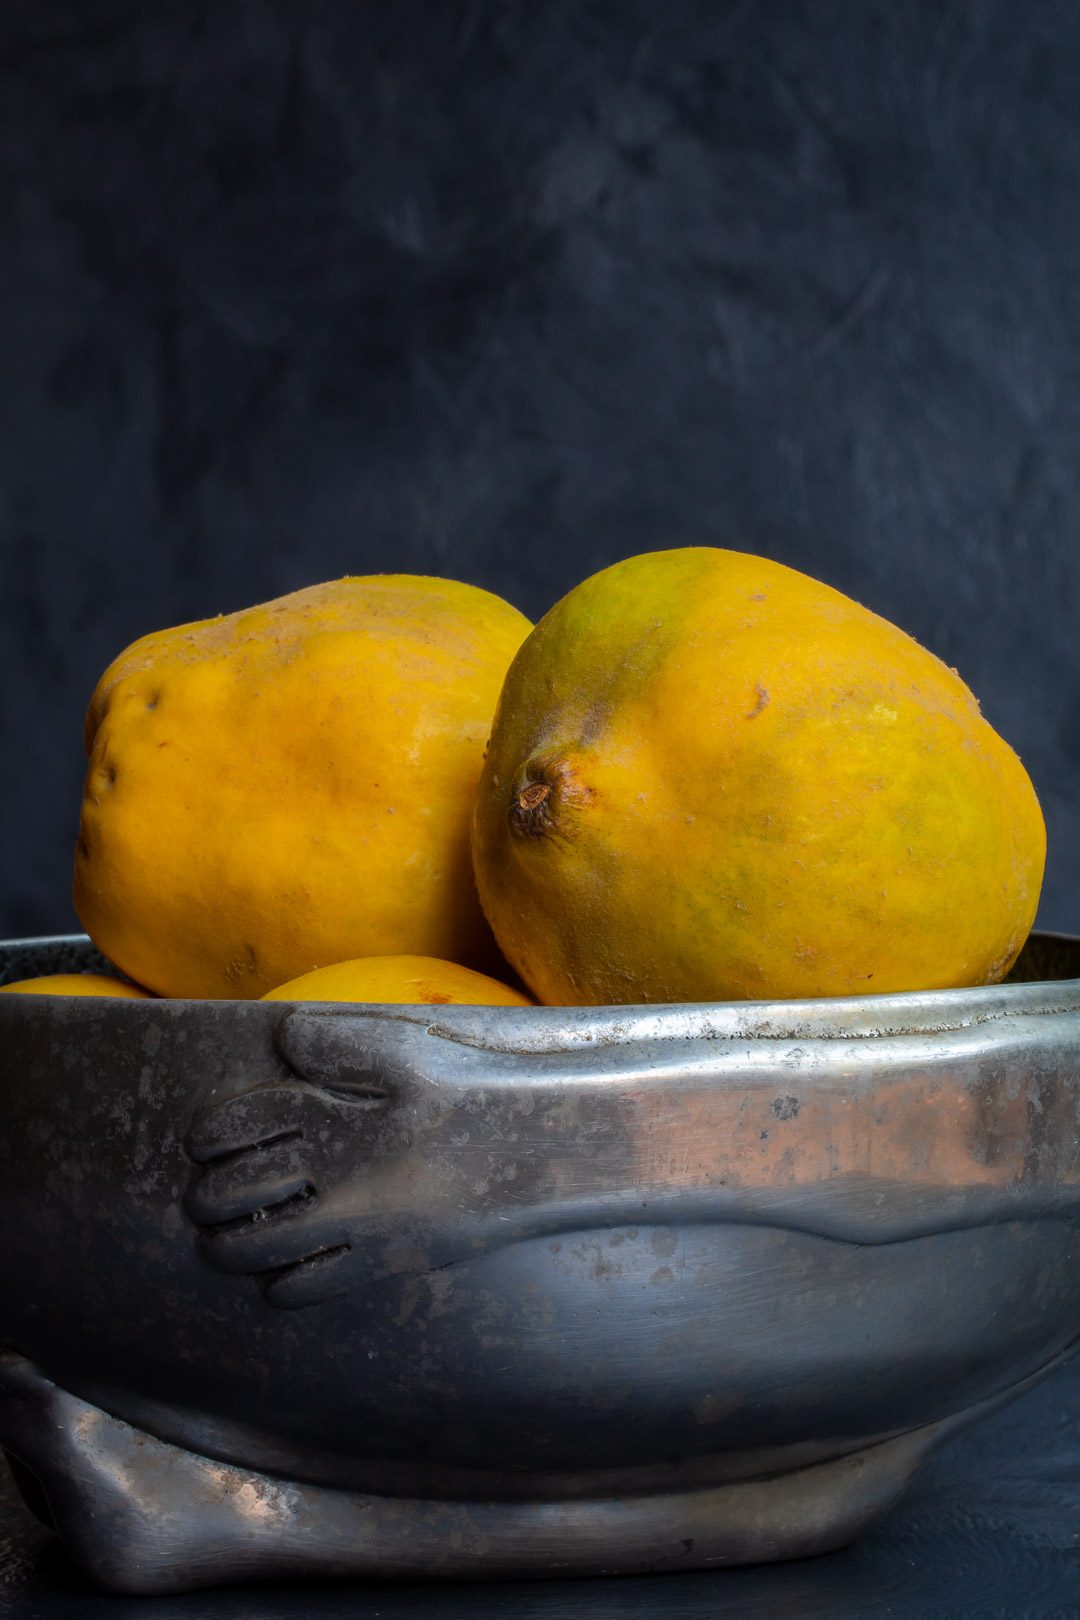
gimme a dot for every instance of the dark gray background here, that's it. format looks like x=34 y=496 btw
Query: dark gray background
x=510 y=290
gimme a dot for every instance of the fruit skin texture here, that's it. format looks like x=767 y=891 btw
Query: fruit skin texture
x=405 y=980
x=74 y=984
x=291 y=785
x=713 y=778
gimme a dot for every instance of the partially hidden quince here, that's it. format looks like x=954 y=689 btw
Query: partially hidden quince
x=291 y=786
x=713 y=778
x=74 y=984
x=402 y=980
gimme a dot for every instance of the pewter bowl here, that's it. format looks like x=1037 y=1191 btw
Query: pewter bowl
x=353 y=1290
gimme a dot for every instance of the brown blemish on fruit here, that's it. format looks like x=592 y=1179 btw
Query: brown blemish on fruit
x=534 y=794
x=530 y=810
x=762 y=700
x=546 y=792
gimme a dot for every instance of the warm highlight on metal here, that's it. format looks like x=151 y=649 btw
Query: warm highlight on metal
x=332 y=1289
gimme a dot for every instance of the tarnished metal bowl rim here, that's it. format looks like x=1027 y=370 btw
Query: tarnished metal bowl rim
x=520 y=1290
x=538 y=1029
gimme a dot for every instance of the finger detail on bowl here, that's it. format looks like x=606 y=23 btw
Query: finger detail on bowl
x=501 y=1290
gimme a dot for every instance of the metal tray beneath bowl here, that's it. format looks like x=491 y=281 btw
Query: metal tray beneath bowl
x=330 y=1289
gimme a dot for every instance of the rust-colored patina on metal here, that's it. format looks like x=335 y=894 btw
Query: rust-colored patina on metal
x=328 y=1289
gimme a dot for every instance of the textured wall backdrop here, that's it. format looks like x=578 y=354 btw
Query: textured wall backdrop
x=509 y=290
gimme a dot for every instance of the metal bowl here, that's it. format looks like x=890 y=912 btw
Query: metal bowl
x=334 y=1289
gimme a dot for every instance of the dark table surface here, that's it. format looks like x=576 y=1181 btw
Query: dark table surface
x=991 y=1527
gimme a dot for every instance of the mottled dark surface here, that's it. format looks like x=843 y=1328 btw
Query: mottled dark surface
x=990 y=1529
x=508 y=291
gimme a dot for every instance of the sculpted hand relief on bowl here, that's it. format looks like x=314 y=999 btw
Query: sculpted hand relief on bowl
x=713 y=778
